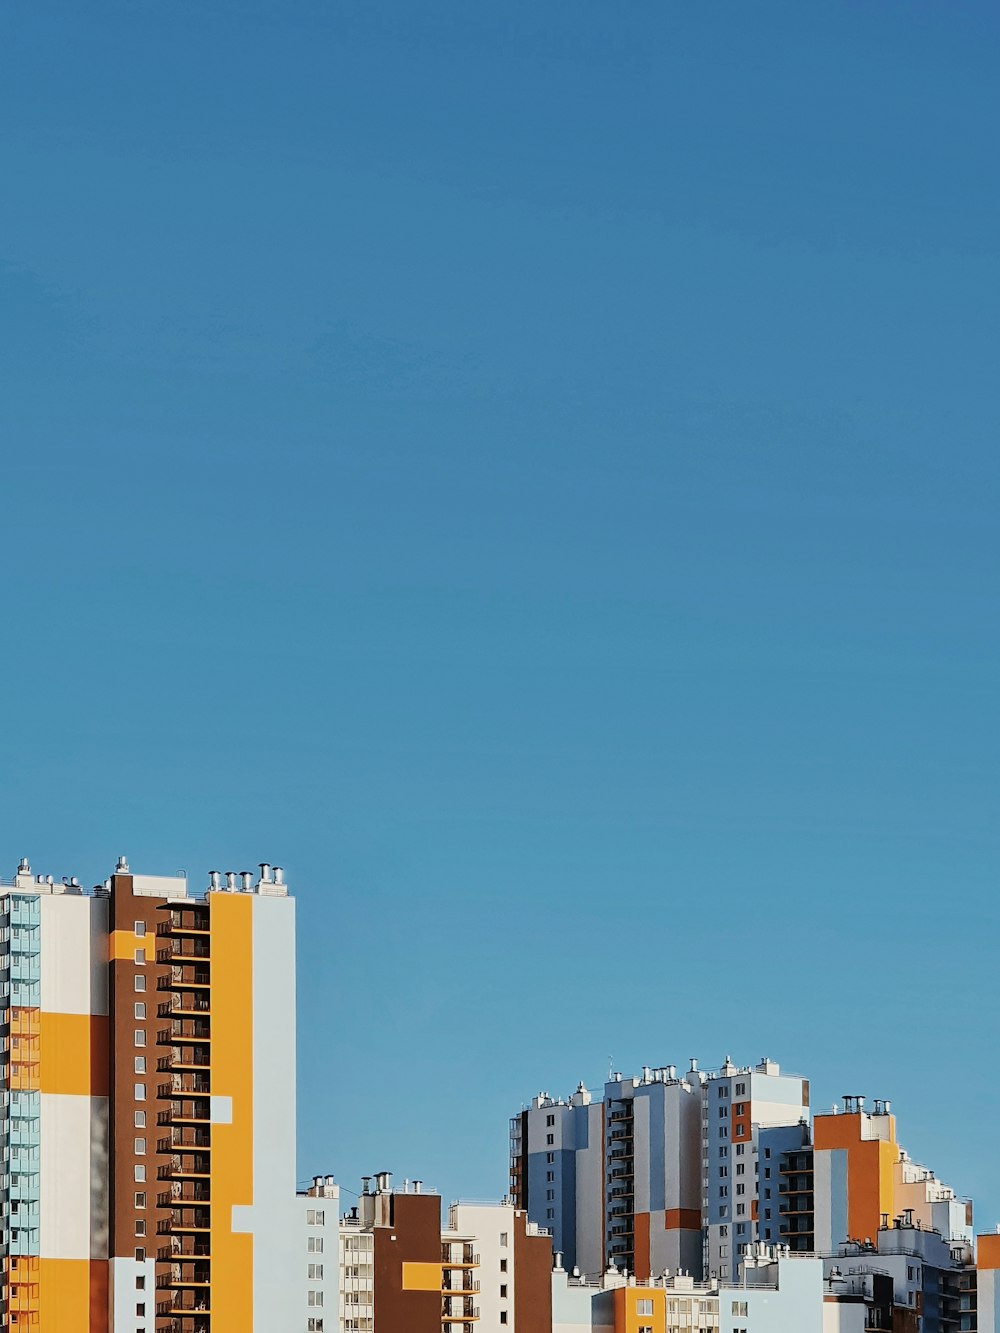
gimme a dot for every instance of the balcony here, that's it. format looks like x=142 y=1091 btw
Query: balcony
x=184 y=950
x=181 y=1006
x=187 y=977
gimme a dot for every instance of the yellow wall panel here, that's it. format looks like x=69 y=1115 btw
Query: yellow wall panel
x=421 y=1277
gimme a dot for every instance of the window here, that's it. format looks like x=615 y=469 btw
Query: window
x=767 y=1214
x=503 y=1265
x=139 y=1119
x=550 y=1194
x=139 y=1092
x=140 y=1283
x=316 y=1272
x=140 y=1173
x=140 y=1147
x=140 y=1009
x=550 y=1157
x=550 y=1120
x=139 y=982
x=140 y=1200
x=315 y=1245
x=767 y=1152
x=740 y=1168
x=739 y=1150
x=550 y=1175
x=741 y=1089
x=740 y=1309
x=503 y=1291
x=550 y=1138
x=140 y=1064
x=723 y=1089
x=741 y=1189
x=140 y=1226
x=722 y=1131
x=139 y=1037
x=741 y=1209
x=767 y=1194
x=550 y=1213
x=723 y=1191
x=316 y=1326
x=316 y=1217
x=723 y=1170
x=503 y=1316
x=723 y=1231
x=140 y=1310
x=644 y=1307
x=503 y=1239
x=314 y=1298
x=140 y=1256
x=722 y=1111
x=139 y=928
x=140 y=956
x=767 y=1173
x=723 y=1152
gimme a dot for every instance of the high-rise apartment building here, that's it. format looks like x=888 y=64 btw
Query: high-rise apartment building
x=486 y=1268
x=660 y=1174
x=149 y=1095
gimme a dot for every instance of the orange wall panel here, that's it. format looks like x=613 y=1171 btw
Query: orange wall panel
x=232 y=1076
x=73 y=1054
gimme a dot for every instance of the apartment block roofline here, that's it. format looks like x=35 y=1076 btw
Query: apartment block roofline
x=693 y=1076
x=270 y=882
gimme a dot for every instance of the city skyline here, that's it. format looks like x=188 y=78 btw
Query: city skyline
x=531 y=471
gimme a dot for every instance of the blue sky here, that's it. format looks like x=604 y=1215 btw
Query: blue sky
x=531 y=470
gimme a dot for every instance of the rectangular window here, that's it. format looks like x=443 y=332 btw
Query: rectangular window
x=140 y=1009
x=140 y=1064
x=503 y=1240
x=140 y=1147
x=550 y=1213
x=315 y=1298
x=139 y=1119
x=139 y=982
x=503 y=1291
x=550 y=1120
x=741 y=1189
x=722 y=1112
x=139 y=1092
x=140 y=1200
x=138 y=1037
x=741 y=1089
x=139 y=1173
x=550 y=1157
x=644 y=1307
x=740 y=1309
x=140 y=1283
x=550 y=1175
x=550 y=1138
x=140 y=1256
x=503 y=1265
x=140 y=1310
x=740 y=1168
x=316 y=1272
x=140 y=957
x=741 y=1209
x=139 y=928
x=140 y=1227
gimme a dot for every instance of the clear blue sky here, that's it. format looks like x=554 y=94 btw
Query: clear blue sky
x=531 y=469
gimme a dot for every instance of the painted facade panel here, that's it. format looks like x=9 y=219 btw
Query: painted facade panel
x=65 y=1178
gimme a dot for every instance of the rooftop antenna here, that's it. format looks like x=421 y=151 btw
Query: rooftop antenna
x=611 y=1066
